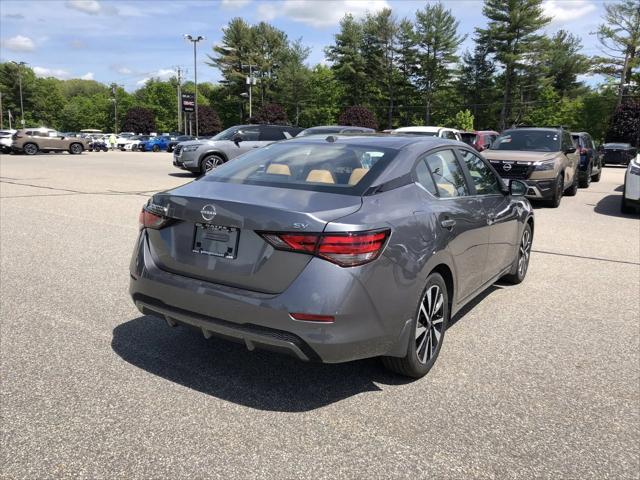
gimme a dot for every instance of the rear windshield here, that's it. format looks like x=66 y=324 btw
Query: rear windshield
x=322 y=167
x=469 y=138
x=319 y=131
x=528 y=140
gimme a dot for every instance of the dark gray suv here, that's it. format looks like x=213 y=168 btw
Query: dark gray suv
x=200 y=156
x=333 y=248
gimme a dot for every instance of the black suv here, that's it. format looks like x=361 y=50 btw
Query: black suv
x=590 y=166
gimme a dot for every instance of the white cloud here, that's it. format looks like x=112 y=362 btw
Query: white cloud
x=19 y=43
x=316 y=13
x=51 y=72
x=228 y=4
x=562 y=11
x=92 y=7
x=162 y=74
x=87 y=76
x=122 y=70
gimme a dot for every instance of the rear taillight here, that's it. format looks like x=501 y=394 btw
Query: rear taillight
x=345 y=249
x=148 y=219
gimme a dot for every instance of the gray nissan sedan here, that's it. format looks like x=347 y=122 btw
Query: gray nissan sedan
x=333 y=248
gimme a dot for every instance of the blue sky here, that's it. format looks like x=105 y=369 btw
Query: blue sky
x=127 y=41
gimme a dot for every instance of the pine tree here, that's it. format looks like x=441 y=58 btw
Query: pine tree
x=438 y=40
x=511 y=35
x=476 y=86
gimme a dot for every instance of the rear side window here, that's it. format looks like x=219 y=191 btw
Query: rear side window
x=271 y=134
x=325 y=167
x=424 y=177
x=447 y=174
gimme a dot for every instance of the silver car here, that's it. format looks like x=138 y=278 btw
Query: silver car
x=333 y=249
x=201 y=156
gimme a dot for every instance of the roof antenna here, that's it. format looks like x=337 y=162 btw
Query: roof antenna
x=331 y=138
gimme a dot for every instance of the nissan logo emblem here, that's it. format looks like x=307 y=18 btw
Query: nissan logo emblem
x=506 y=167
x=208 y=212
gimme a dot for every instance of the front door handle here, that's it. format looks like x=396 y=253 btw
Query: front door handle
x=448 y=223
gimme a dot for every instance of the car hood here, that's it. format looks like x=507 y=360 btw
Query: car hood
x=518 y=155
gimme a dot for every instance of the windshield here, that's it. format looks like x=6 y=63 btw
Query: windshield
x=617 y=145
x=528 y=140
x=328 y=167
x=421 y=134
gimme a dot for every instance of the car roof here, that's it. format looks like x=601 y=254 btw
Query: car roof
x=339 y=126
x=540 y=129
x=419 y=129
x=380 y=140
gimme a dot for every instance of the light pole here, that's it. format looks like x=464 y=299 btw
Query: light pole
x=195 y=41
x=250 y=81
x=20 y=64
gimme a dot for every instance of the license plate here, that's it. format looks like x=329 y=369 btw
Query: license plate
x=216 y=240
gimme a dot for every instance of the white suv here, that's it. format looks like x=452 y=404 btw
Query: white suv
x=441 y=132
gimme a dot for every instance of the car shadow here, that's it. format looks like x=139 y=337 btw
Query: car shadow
x=610 y=205
x=182 y=175
x=472 y=304
x=619 y=188
x=227 y=370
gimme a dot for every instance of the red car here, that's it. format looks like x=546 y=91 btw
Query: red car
x=480 y=139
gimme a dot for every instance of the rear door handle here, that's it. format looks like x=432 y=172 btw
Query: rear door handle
x=448 y=223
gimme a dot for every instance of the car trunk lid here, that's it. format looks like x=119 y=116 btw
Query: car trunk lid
x=232 y=215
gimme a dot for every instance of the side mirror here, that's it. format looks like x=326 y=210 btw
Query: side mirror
x=237 y=138
x=517 y=188
x=570 y=150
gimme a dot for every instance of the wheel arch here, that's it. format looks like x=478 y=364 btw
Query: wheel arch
x=213 y=152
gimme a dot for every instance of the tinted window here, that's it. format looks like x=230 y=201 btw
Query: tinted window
x=449 y=135
x=483 y=178
x=249 y=134
x=528 y=140
x=447 y=174
x=424 y=177
x=271 y=134
x=469 y=138
x=566 y=141
x=338 y=168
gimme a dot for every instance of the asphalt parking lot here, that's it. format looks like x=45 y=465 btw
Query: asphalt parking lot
x=537 y=380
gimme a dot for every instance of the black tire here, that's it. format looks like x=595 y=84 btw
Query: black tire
x=210 y=162
x=155 y=148
x=596 y=178
x=169 y=149
x=30 y=148
x=573 y=189
x=586 y=181
x=520 y=265
x=75 y=149
x=429 y=323
x=554 y=201
x=134 y=148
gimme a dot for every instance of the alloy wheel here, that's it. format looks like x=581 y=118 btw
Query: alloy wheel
x=30 y=149
x=211 y=163
x=525 y=252
x=429 y=323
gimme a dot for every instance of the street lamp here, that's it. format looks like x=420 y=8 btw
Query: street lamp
x=20 y=65
x=250 y=81
x=195 y=41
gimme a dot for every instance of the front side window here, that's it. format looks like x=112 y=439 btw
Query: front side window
x=447 y=174
x=483 y=178
x=337 y=168
x=249 y=134
x=271 y=134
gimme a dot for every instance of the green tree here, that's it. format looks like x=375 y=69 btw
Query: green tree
x=552 y=109
x=293 y=79
x=347 y=60
x=463 y=120
x=619 y=36
x=323 y=98
x=477 y=87
x=511 y=35
x=438 y=40
x=406 y=61
x=562 y=61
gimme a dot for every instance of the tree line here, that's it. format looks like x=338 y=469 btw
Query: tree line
x=394 y=71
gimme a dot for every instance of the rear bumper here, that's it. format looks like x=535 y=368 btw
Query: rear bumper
x=262 y=320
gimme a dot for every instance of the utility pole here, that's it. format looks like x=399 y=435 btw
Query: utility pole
x=1 y=113
x=179 y=72
x=114 y=89
x=20 y=65
x=195 y=41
